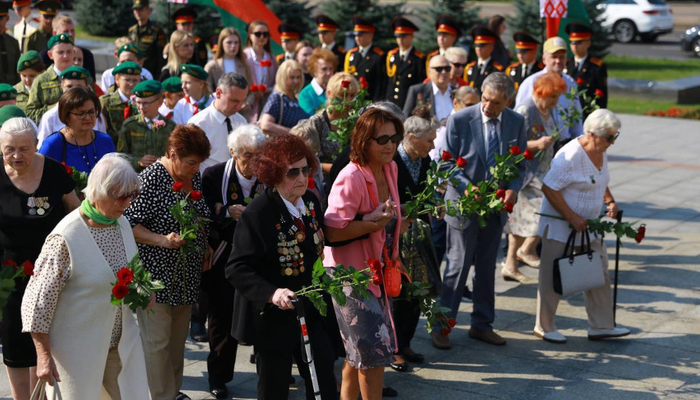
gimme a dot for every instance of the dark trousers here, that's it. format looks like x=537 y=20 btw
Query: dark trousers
x=439 y=230
x=275 y=367
x=222 y=346
x=406 y=317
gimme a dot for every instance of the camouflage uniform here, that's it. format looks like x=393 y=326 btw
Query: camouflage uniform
x=137 y=139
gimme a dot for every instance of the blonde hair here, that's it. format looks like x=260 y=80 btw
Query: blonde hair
x=335 y=85
x=174 y=60
x=281 y=78
x=60 y=20
x=121 y=41
x=226 y=32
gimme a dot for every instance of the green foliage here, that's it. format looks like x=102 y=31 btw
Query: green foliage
x=345 y=126
x=295 y=12
x=108 y=18
x=342 y=277
x=140 y=288
x=380 y=14
x=9 y=272
x=600 y=41
x=207 y=24
x=430 y=308
x=527 y=18
x=465 y=13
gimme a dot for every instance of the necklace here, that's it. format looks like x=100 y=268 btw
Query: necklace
x=85 y=155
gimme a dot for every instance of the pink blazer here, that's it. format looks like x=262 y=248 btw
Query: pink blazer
x=349 y=197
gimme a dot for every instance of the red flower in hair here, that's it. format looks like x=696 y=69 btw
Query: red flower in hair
x=254 y=88
x=461 y=162
x=515 y=150
x=177 y=186
x=599 y=93
x=120 y=290
x=528 y=155
x=125 y=276
x=28 y=268
x=262 y=88
x=195 y=195
x=446 y=156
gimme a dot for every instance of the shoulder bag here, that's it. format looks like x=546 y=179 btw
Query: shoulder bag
x=578 y=272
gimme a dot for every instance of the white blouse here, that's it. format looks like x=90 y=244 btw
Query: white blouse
x=581 y=184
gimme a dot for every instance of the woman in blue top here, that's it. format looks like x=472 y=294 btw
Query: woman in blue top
x=77 y=144
x=322 y=65
x=282 y=110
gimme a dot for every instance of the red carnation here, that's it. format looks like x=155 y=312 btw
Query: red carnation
x=312 y=184
x=528 y=154
x=515 y=150
x=509 y=207
x=262 y=88
x=363 y=82
x=446 y=156
x=451 y=322
x=265 y=63
x=28 y=268
x=599 y=93
x=69 y=170
x=640 y=234
x=345 y=84
x=445 y=331
x=376 y=267
x=254 y=88
x=580 y=81
x=125 y=276
x=120 y=290
x=195 y=195
x=501 y=193
x=461 y=162
x=177 y=186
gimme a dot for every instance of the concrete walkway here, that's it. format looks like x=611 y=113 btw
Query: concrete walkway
x=655 y=169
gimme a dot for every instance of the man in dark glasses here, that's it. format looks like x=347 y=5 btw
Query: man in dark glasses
x=184 y=21
x=484 y=40
x=404 y=64
x=436 y=92
x=526 y=51
x=366 y=60
x=448 y=31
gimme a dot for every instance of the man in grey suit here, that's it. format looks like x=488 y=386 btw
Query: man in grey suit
x=476 y=134
x=436 y=92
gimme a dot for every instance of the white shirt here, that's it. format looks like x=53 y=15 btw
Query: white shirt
x=164 y=110
x=50 y=123
x=482 y=64
x=328 y=46
x=579 y=61
x=440 y=141
x=19 y=29
x=443 y=102
x=184 y=110
x=213 y=124
x=581 y=184
x=525 y=92
x=246 y=184
x=259 y=72
x=316 y=87
x=108 y=78
x=404 y=53
x=296 y=209
x=485 y=120
x=229 y=65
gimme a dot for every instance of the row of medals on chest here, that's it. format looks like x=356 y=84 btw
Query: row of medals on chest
x=37 y=205
x=291 y=258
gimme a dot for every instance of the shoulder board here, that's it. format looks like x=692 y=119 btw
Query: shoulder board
x=392 y=51
x=378 y=50
x=514 y=65
x=197 y=39
x=471 y=64
x=354 y=49
x=497 y=66
x=280 y=57
x=434 y=52
x=597 y=61
x=340 y=49
x=419 y=53
x=35 y=19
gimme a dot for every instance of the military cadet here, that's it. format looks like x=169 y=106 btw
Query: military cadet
x=475 y=73
x=8 y=95
x=197 y=96
x=448 y=31
x=290 y=35
x=366 y=60
x=29 y=67
x=326 y=29
x=39 y=39
x=184 y=21
x=26 y=24
x=172 y=93
x=46 y=89
x=145 y=136
x=116 y=107
x=590 y=73
x=526 y=51
x=405 y=66
x=9 y=49
x=148 y=37
x=127 y=52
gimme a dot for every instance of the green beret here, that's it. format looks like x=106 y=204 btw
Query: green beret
x=127 y=68
x=194 y=71
x=131 y=48
x=7 y=92
x=172 y=85
x=10 y=111
x=141 y=4
x=28 y=60
x=60 y=38
x=75 y=72
x=148 y=88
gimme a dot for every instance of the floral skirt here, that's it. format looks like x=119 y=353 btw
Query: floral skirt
x=366 y=331
x=523 y=221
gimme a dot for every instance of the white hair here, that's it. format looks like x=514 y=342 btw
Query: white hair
x=600 y=121
x=499 y=83
x=113 y=176
x=248 y=135
x=18 y=126
x=418 y=127
x=453 y=52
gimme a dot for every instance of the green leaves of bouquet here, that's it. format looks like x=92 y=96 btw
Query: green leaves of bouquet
x=350 y=107
x=341 y=278
x=134 y=285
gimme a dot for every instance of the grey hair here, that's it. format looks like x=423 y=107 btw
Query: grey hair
x=306 y=130
x=500 y=83
x=454 y=52
x=600 y=121
x=18 y=126
x=460 y=94
x=113 y=176
x=230 y=80
x=248 y=135
x=418 y=127
x=387 y=106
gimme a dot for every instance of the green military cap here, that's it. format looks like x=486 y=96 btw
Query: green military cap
x=131 y=48
x=172 y=85
x=10 y=111
x=48 y=7
x=148 y=88
x=7 y=92
x=128 y=68
x=28 y=60
x=194 y=71
x=60 y=38
x=75 y=72
x=141 y=4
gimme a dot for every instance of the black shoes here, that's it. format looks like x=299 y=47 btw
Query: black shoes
x=198 y=332
x=389 y=392
x=218 y=391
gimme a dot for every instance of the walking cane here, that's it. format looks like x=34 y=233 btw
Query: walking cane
x=307 y=347
x=617 y=268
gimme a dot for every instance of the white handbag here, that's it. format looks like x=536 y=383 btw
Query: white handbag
x=39 y=392
x=578 y=272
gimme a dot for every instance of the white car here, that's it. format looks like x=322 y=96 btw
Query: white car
x=629 y=18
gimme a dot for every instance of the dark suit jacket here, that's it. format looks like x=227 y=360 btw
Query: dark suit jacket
x=465 y=138
x=419 y=94
x=88 y=60
x=407 y=188
x=594 y=73
x=371 y=67
x=404 y=74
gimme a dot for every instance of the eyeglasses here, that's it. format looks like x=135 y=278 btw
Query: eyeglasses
x=384 y=139
x=459 y=65
x=131 y=196
x=613 y=138
x=145 y=103
x=440 y=70
x=261 y=34
x=294 y=172
x=83 y=115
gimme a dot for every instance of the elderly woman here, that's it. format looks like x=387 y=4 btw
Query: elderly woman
x=322 y=65
x=575 y=188
x=363 y=222
x=82 y=340
x=262 y=65
x=78 y=144
x=308 y=133
x=277 y=242
x=35 y=193
x=164 y=328
x=228 y=187
x=541 y=123
x=180 y=51
x=282 y=110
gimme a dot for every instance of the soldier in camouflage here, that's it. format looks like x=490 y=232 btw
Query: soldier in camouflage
x=148 y=37
x=116 y=107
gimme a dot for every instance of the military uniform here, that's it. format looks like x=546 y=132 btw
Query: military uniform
x=9 y=55
x=38 y=40
x=475 y=74
x=443 y=24
x=515 y=71
x=187 y=15
x=401 y=75
x=151 y=40
x=325 y=24
x=114 y=109
x=22 y=95
x=137 y=139
x=590 y=73
x=288 y=33
x=370 y=67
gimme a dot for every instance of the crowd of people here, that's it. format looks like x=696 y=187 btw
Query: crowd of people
x=248 y=137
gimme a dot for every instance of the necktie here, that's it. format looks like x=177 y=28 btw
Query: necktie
x=524 y=71
x=24 y=35
x=493 y=144
x=228 y=124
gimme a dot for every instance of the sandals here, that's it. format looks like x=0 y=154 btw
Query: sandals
x=527 y=259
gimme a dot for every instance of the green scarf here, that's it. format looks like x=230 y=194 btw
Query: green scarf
x=92 y=213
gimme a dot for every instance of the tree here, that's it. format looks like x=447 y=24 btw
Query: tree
x=381 y=15
x=114 y=17
x=527 y=19
x=600 y=42
x=297 y=13
x=463 y=12
x=207 y=24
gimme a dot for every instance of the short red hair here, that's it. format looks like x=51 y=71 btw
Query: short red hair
x=270 y=165
x=549 y=84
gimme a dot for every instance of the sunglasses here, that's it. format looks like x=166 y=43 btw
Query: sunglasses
x=384 y=139
x=261 y=34
x=613 y=138
x=294 y=172
x=440 y=70
x=459 y=65
x=130 y=196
